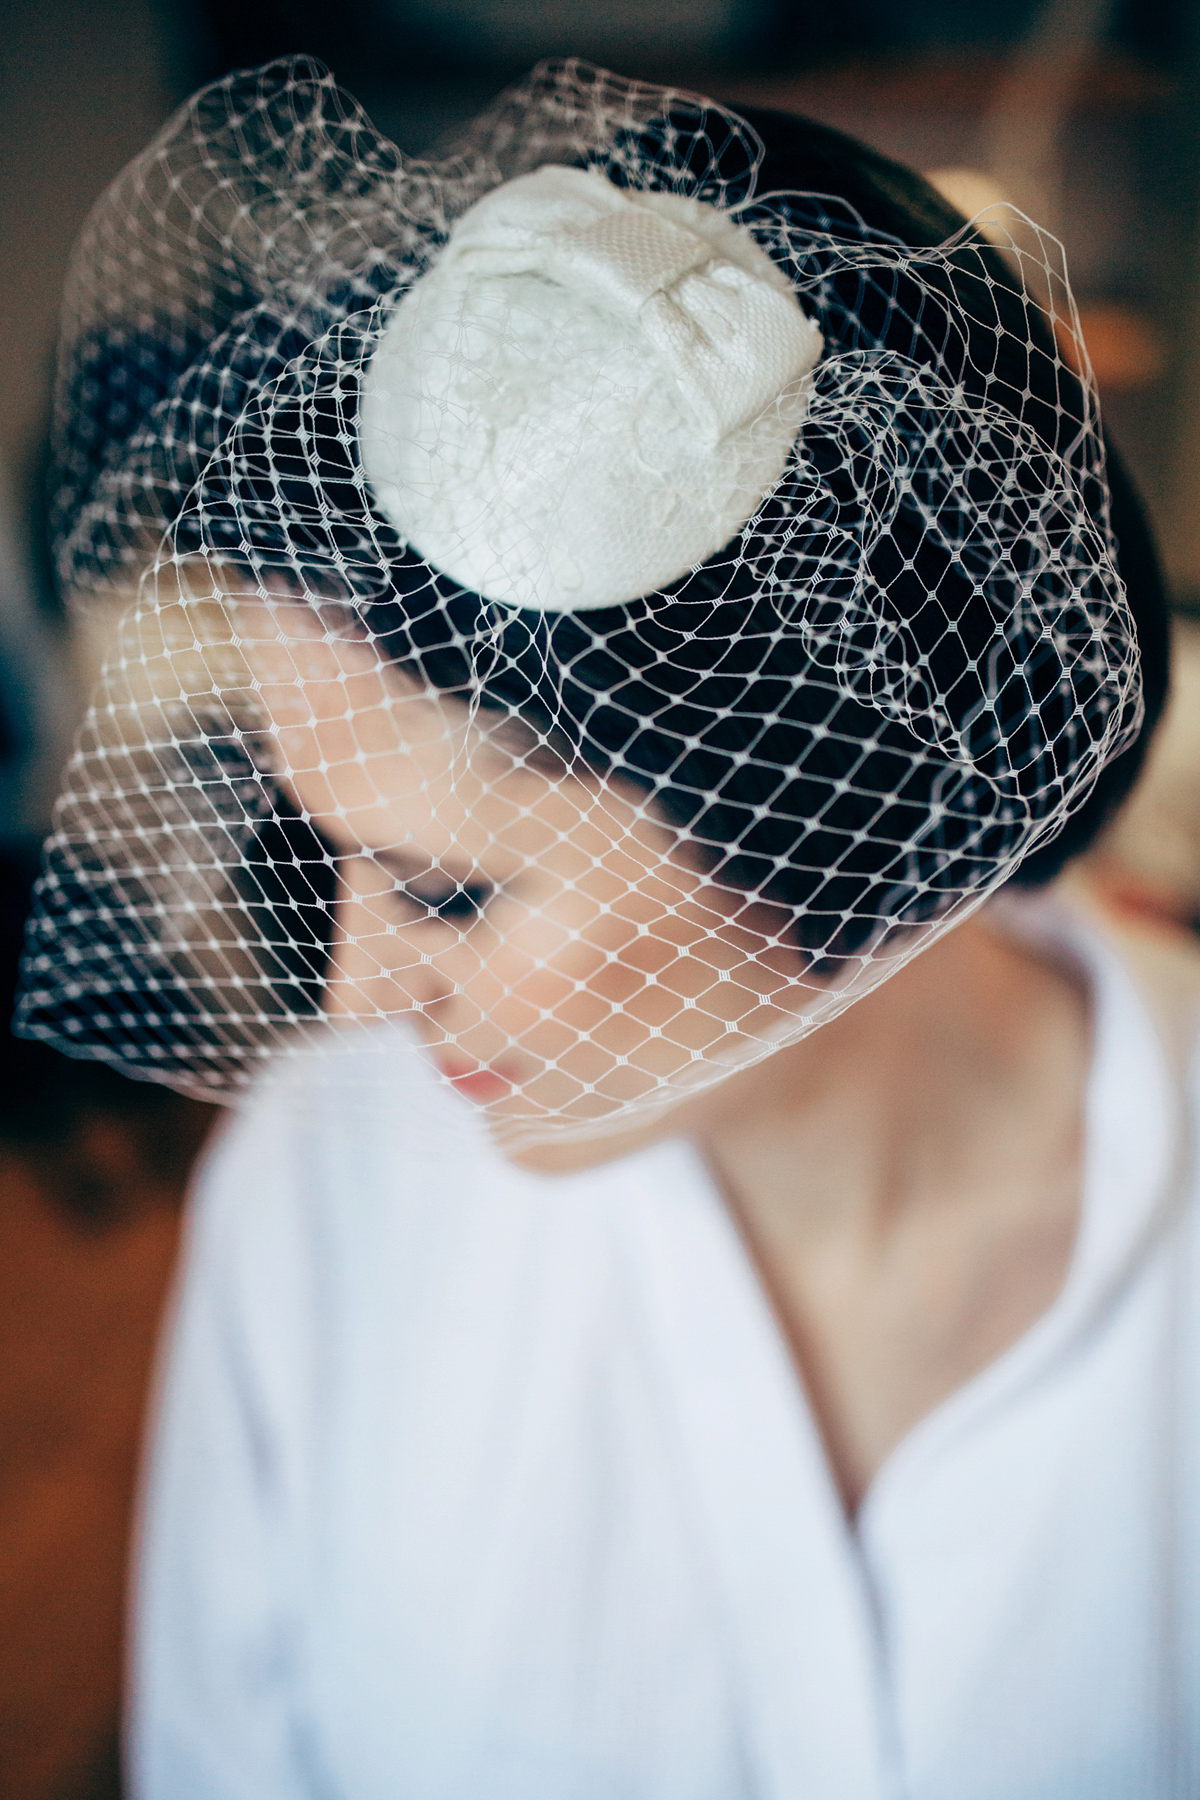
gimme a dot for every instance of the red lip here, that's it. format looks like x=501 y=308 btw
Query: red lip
x=479 y=1084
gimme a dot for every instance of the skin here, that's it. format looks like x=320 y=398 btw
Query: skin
x=906 y=1180
x=555 y=950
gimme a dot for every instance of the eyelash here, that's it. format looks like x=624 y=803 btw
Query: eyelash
x=461 y=905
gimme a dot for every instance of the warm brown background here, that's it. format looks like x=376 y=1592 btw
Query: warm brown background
x=79 y=1306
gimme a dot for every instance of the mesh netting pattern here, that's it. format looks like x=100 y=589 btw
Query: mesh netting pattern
x=591 y=859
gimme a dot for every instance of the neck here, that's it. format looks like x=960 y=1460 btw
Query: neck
x=966 y=1062
x=907 y=1181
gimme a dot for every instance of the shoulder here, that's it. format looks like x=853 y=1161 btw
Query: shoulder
x=1163 y=967
x=346 y=1159
x=357 y=1246
x=353 y=1181
x=354 y=1110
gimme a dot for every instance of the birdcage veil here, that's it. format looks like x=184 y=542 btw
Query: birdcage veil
x=577 y=609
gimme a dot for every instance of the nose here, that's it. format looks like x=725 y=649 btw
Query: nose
x=442 y=1006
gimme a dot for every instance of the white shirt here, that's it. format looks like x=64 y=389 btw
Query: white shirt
x=471 y=1484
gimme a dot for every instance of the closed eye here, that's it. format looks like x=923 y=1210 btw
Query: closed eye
x=460 y=903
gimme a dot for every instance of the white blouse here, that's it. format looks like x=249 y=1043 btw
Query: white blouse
x=472 y=1484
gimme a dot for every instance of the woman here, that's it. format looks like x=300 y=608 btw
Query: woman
x=628 y=590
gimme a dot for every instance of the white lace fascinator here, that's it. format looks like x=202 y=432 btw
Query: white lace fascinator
x=589 y=603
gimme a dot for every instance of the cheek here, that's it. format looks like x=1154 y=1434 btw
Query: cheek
x=574 y=982
x=376 y=966
x=614 y=976
x=636 y=997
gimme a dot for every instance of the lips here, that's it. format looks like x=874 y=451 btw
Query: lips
x=480 y=1082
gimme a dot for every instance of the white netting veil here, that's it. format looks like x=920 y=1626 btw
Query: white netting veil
x=582 y=608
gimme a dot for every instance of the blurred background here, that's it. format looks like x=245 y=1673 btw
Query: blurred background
x=1086 y=113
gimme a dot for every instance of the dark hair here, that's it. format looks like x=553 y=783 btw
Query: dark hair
x=892 y=198
x=785 y=783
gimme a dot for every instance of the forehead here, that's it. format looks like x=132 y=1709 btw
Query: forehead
x=379 y=759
